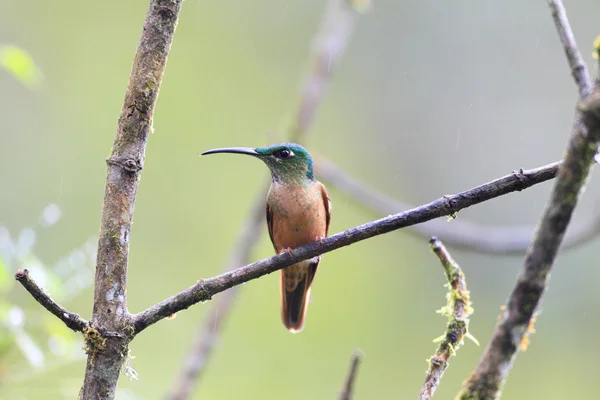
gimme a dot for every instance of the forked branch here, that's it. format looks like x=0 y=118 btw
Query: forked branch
x=492 y=371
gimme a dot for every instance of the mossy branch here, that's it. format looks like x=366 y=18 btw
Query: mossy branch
x=458 y=309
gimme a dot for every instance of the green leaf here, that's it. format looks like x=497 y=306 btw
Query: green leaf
x=20 y=65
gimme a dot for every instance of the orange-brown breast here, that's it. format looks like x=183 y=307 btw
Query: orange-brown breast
x=299 y=215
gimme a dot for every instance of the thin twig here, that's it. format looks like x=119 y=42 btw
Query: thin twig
x=348 y=388
x=329 y=44
x=447 y=205
x=458 y=311
x=492 y=371
x=576 y=63
x=72 y=320
x=458 y=233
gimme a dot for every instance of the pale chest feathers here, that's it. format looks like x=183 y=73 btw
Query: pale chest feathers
x=298 y=212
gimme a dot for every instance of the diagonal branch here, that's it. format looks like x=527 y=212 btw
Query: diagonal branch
x=459 y=233
x=576 y=63
x=71 y=320
x=348 y=388
x=329 y=45
x=447 y=205
x=493 y=369
x=458 y=311
x=208 y=334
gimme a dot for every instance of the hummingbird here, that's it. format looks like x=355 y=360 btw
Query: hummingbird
x=298 y=213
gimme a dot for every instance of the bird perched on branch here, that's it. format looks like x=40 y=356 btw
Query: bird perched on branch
x=298 y=213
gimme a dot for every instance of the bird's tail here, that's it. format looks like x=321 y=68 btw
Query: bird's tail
x=295 y=291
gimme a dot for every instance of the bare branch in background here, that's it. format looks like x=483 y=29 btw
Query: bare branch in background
x=488 y=378
x=348 y=388
x=459 y=233
x=576 y=63
x=444 y=206
x=209 y=332
x=71 y=320
x=458 y=311
x=329 y=44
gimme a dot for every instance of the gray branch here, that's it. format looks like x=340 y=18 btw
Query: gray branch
x=71 y=320
x=209 y=332
x=347 y=392
x=460 y=233
x=492 y=371
x=576 y=63
x=110 y=317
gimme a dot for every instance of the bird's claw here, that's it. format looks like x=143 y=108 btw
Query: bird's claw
x=288 y=251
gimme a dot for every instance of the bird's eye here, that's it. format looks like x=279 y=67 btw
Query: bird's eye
x=283 y=154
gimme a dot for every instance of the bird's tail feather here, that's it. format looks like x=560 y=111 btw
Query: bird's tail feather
x=295 y=291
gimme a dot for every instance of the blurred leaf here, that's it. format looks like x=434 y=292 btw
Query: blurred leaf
x=5 y=281
x=29 y=348
x=20 y=64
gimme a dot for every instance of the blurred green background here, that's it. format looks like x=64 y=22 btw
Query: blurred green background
x=430 y=98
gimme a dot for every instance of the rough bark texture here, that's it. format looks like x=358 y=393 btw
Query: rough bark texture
x=457 y=310
x=111 y=326
x=488 y=378
x=72 y=320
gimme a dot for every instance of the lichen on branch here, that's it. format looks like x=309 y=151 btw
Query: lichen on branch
x=458 y=309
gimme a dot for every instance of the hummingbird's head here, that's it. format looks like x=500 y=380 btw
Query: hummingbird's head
x=288 y=162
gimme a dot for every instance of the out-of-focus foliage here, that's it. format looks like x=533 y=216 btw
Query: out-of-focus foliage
x=35 y=337
x=430 y=98
x=20 y=64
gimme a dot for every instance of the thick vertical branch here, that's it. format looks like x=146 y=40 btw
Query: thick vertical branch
x=108 y=338
x=514 y=323
x=492 y=371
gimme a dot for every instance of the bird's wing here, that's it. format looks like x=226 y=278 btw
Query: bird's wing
x=270 y=225
x=327 y=203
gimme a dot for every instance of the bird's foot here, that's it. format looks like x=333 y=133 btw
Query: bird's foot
x=320 y=240
x=287 y=251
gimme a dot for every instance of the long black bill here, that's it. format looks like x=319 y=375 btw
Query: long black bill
x=235 y=150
